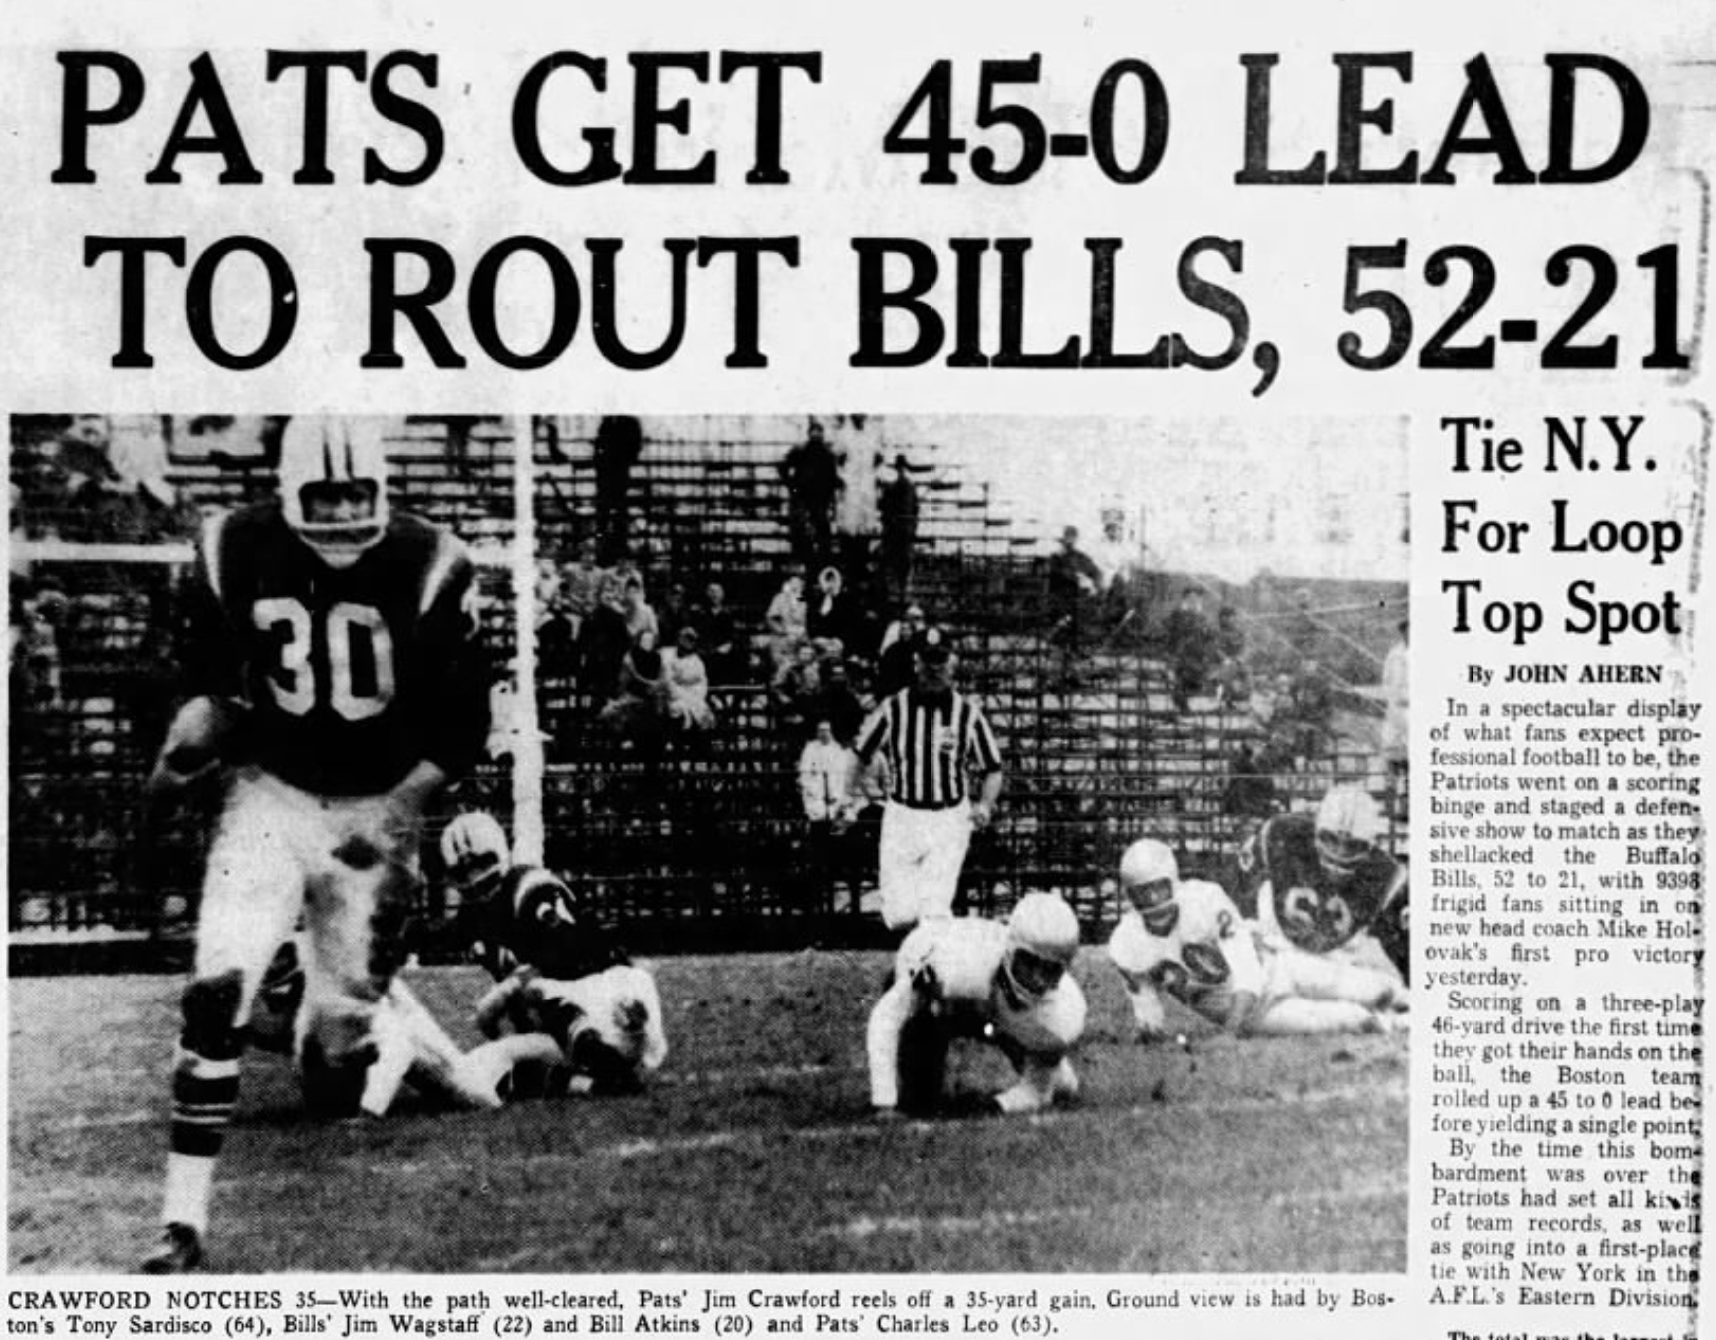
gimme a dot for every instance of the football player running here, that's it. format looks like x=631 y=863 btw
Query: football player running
x=1324 y=885
x=335 y=679
x=578 y=1005
x=1187 y=940
x=973 y=977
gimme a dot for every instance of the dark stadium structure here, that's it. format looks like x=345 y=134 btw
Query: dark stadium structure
x=695 y=848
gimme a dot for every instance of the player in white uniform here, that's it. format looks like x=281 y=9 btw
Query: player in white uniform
x=1187 y=940
x=409 y=1042
x=972 y=977
x=576 y=1002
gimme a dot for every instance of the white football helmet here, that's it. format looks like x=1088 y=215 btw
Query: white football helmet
x=333 y=485
x=1042 y=940
x=1150 y=876
x=1348 y=823
x=474 y=852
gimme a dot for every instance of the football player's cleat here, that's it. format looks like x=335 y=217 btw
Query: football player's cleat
x=1348 y=822
x=334 y=1089
x=333 y=485
x=1042 y=940
x=180 y=1251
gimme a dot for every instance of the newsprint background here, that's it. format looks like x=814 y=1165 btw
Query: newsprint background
x=1333 y=314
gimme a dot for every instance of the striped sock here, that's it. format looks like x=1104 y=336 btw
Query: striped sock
x=205 y=1092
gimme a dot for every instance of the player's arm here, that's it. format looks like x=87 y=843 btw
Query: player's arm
x=492 y=1008
x=1238 y=946
x=457 y=724
x=1149 y=1011
x=914 y=983
x=207 y=730
x=872 y=769
x=987 y=756
x=1127 y=951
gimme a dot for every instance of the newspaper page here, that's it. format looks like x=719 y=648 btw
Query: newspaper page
x=750 y=669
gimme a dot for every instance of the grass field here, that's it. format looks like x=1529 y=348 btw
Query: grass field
x=752 y=1151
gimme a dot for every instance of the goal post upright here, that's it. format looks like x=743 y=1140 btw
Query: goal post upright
x=526 y=735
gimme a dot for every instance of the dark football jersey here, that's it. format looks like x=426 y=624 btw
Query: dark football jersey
x=1316 y=909
x=352 y=675
x=513 y=934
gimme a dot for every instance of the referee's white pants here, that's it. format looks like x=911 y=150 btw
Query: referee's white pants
x=922 y=853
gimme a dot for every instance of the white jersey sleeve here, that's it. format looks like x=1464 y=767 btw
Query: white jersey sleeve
x=1136 y=952
x=1209 y=917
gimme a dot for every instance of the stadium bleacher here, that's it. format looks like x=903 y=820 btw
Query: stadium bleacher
x=693 y=847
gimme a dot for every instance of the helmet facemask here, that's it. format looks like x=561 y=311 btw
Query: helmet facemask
x=1346 y=828
x=342 y=518
x=476 y=876
x=333 y=486
x=1028 y=976
x=1042 y=939
x=1154 y=901
x=1340 y=853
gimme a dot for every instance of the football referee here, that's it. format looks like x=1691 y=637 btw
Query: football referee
x=927 y=735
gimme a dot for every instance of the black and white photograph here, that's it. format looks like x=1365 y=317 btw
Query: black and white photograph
x=727 y=843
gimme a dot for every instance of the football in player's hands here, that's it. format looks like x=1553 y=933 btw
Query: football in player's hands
x=203 y=733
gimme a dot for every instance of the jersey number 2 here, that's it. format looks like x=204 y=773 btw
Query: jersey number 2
x=295 y=681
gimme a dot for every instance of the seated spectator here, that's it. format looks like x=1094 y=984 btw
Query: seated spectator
x=638 y=710
x=797 y=689
x=688 y=685
x=556 y=644
x=1250 y=790
x=1271 y=702
x=1074 y=581
x=718 y=638
x=1311 y=713
x=840 y=703
x=640 y=614
x=1231 y=681
x=1191 y=647
x=581 y=583
x=603 y=643
x=672 y=614
x=34 y=650
x=785 y=622
x=899 y=647
x=833 y=620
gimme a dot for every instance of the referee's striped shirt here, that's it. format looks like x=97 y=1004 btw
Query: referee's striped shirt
x=928 y=741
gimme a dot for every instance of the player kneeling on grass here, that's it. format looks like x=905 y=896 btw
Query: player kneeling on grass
x=1321 y=882
x=585 y=1018
x=1186 y=939
x=971 y=977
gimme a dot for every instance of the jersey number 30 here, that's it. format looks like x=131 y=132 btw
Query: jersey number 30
x=295 y=680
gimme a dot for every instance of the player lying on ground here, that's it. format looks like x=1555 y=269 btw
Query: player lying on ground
x=971 y=977
x=1323 y=883
x=578 y=1006
x=1186 y=939
x=335 y=680
x=409 y=1042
